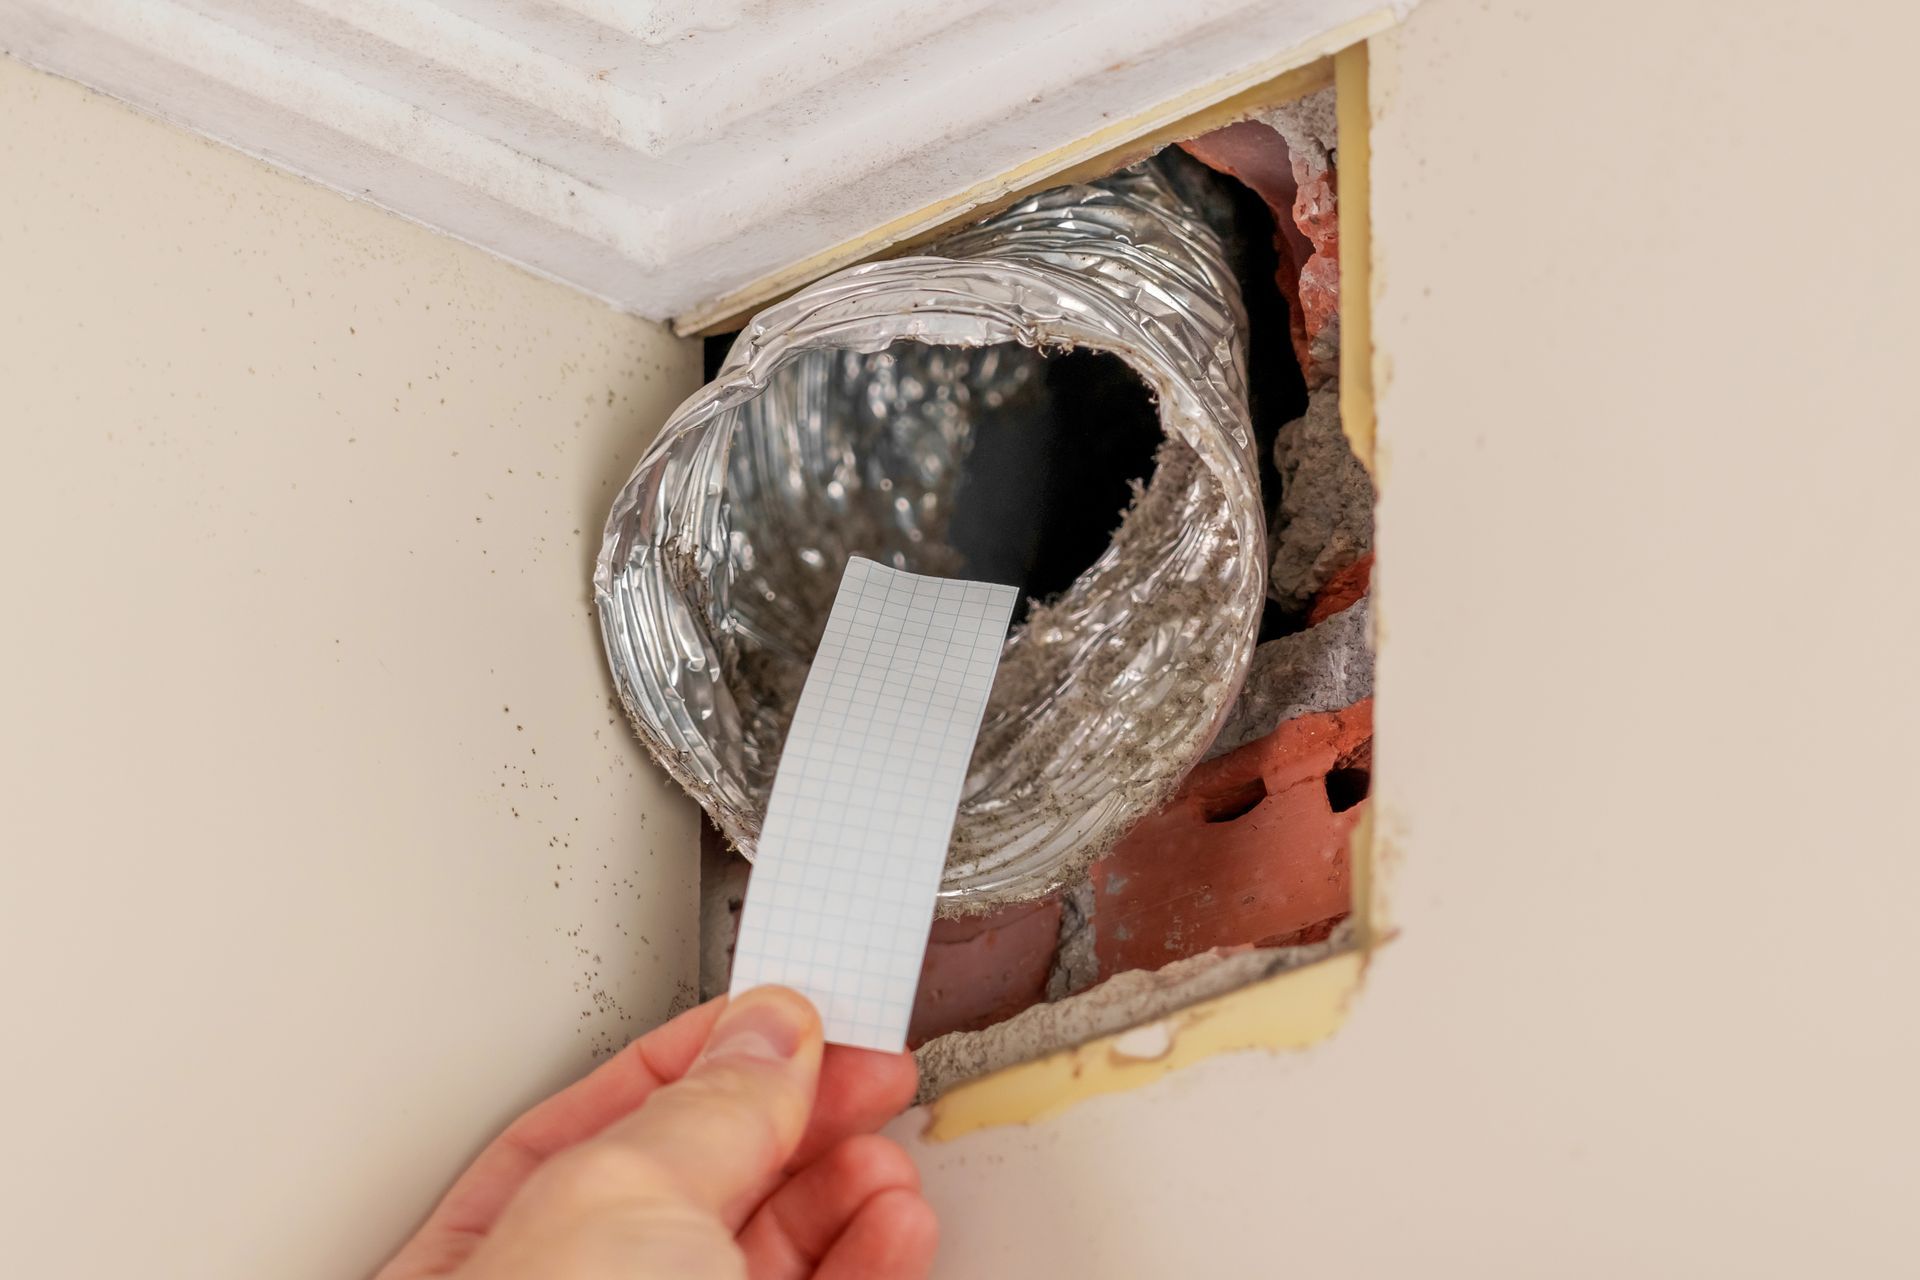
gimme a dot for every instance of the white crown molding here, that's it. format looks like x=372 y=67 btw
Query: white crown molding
x=662 y=155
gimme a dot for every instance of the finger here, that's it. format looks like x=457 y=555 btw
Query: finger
x=792 y=1231
x=571 y=1116
x=892 y=1237
x=860 y=1090
x=712 y=1138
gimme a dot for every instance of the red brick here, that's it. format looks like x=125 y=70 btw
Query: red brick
x=1316 y=212
x=1342 y=591
x=1250 y=850
x=1257 y=156
x=980 y=970
x=1302 y=192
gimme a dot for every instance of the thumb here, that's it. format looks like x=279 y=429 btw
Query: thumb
x=725 y=1128
x=661 y=1192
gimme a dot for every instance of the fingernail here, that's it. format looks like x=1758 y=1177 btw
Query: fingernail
x=763 y=1026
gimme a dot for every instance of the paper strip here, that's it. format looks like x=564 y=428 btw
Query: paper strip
x=850 y=856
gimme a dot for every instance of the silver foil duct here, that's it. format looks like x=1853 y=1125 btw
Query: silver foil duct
x=841 y=423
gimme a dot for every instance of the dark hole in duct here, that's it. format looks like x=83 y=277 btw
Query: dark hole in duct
x=1048 y=475
x=1236 y=803
x=1276 y=387
x=1040 y=499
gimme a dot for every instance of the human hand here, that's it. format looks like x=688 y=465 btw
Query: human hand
x=727 y=1143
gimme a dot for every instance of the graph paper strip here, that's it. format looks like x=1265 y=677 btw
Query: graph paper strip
x=842 y=892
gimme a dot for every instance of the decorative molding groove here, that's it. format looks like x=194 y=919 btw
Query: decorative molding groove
x=665 y=155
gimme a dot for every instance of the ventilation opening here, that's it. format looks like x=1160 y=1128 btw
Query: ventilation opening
x=1206 y=901
x=1042 y=493
x=1046 y=450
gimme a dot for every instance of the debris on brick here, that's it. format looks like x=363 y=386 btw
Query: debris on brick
x=1323 y=521
x=1075 y=966
x=1123 y=1001
x=1324 y=668
x=1342 y=590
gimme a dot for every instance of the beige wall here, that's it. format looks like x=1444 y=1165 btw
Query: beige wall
x=1647 y=711
x=297 y=502
x=276 y=949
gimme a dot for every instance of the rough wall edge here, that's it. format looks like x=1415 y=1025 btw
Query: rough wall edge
x=1292 y=74
x=1300 y=1007
x=1358 y=370
x=1292 y=1010
x=1356 y=250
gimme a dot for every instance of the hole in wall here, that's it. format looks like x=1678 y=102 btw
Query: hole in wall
x=1202 y=900
x=1346 y=787
x=1206 y=902
x=1235 y=803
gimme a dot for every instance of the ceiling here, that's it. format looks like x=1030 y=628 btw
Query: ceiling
x=683 y=156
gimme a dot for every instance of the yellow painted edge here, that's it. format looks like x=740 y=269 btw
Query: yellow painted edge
x=1369 y=924
x=1354 y=113
x=1290 y=75
x=1356 y=250
x=1288 y=1011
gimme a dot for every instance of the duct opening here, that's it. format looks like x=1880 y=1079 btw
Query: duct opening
x=1203 y=895
x=1043 y=452
x=1003 y=463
